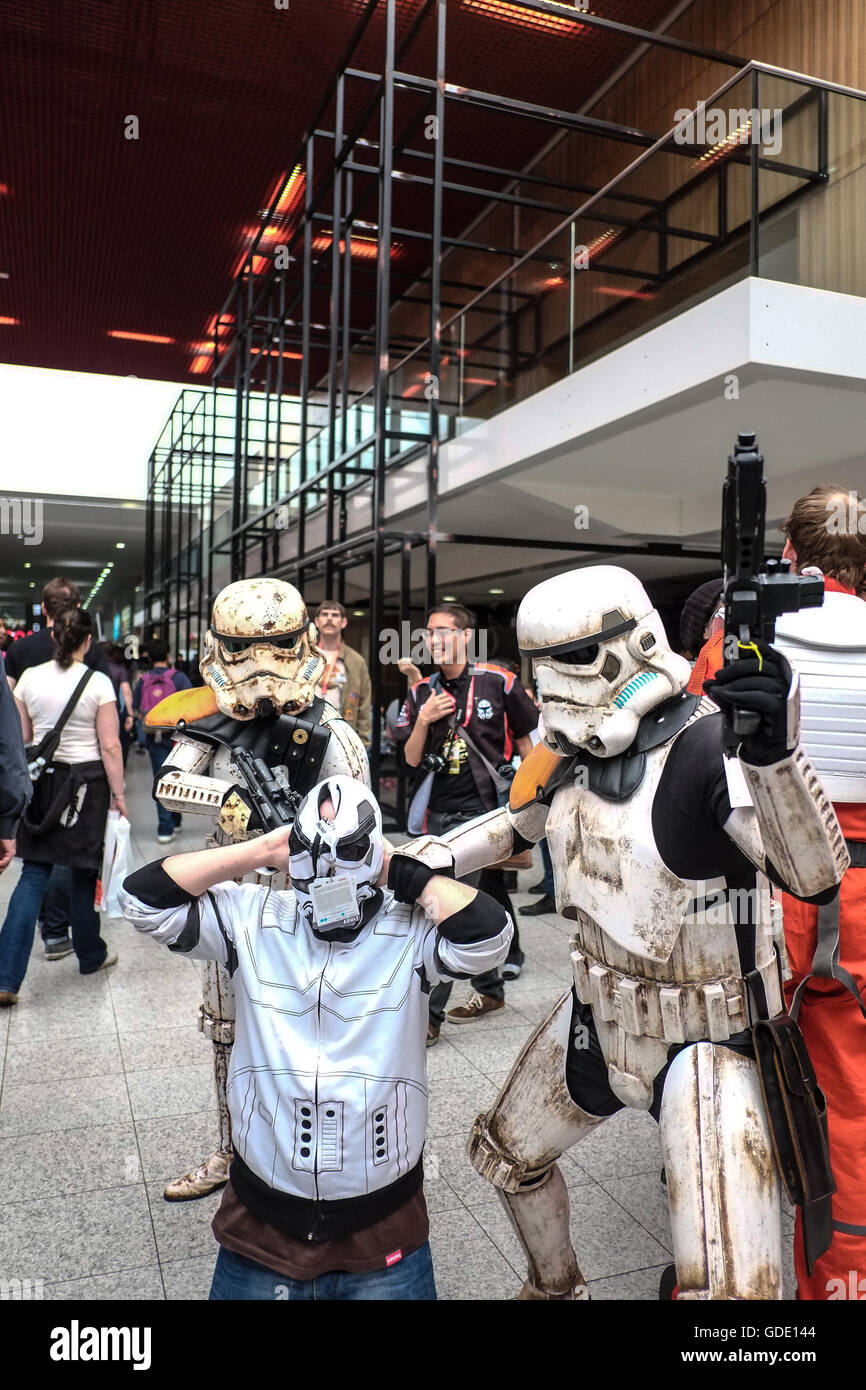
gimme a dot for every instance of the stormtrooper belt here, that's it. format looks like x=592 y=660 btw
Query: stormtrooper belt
x=674 y=1013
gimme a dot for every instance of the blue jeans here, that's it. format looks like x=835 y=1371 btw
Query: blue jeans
x=158 y=754
x=236 y=1278
x=16 y=934
x=54 y=915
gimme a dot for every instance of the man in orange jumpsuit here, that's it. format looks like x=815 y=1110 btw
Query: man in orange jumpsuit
x=826 y=532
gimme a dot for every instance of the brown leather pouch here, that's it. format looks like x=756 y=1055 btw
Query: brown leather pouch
x=796 y=1109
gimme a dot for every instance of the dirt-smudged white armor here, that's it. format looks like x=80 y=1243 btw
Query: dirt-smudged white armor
x=654 y=955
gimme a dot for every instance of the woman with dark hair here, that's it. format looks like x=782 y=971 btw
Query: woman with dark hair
x=65 y=822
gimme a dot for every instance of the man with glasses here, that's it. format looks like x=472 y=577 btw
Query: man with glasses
x=462 y=724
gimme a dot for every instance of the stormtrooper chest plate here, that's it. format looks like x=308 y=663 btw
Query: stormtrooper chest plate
x=654 y=955
x=609 y=868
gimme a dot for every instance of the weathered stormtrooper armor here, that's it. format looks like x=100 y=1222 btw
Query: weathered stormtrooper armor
x=659 y=1014
x=260 y=667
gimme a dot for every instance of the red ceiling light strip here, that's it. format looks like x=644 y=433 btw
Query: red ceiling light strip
x=221 y=324
x=363 y=248
x=9 y=322
x=532 y=19
x=291 y=194
x=139 y=337
x=273 y=352
x=615 y=293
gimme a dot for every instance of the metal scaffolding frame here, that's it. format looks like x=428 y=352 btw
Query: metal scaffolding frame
x=307 y=441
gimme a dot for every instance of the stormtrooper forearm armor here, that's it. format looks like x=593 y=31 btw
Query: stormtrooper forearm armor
x=181 y=784
x=801 y=836
x=487 y=840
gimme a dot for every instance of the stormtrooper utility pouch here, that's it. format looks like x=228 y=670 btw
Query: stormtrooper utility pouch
x=797 y=1112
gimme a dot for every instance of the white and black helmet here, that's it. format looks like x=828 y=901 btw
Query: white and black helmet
x=349 y=846
x=600 y=657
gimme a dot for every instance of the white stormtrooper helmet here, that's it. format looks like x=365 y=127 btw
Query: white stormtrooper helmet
x=334 y=863
x=600 y=657
x=260 y=653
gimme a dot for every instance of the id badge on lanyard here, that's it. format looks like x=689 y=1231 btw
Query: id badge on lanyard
x=335 y=901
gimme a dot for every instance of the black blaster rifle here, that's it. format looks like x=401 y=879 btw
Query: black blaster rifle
x=757 y=591
x=273 y=800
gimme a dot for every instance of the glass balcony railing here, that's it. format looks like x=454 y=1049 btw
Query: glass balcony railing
x=767 y=177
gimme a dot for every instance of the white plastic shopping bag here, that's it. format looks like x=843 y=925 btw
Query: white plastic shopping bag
x=116 y=864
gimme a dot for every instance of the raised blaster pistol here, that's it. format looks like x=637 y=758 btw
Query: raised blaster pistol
x=270 y=795
x=757 y=590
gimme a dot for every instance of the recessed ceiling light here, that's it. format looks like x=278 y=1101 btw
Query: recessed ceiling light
x=496 y=591
x=4 y=274
x=31 y=585
x=27 y=564
x=5 y=319
x=448 y=598
x=120 y=545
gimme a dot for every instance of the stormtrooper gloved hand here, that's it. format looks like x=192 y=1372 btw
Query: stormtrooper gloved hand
x=760 y=683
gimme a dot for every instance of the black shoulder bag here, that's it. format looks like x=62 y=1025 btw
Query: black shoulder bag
x=39 y=755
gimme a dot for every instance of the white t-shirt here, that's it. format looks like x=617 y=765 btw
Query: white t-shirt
x=44 y=691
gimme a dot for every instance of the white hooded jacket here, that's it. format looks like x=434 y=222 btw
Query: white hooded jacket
x=327 y=1085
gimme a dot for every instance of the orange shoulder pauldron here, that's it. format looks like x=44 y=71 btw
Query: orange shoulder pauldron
x=534 y=772
x=190 y=705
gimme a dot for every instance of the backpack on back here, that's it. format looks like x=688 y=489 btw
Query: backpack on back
x=155 y=686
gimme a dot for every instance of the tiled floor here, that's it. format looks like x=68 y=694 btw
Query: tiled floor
x=106 y=1092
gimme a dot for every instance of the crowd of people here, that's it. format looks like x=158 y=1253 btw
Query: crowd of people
x=324 y=1180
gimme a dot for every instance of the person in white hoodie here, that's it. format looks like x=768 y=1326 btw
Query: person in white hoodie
x=327 y=1087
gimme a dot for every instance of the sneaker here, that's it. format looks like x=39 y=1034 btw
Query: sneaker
x=512 y=967
x=537 y=888
x=544 y=905
x=165 y=836
x=110 y=959
x=209 y=1176
x=668 y=1284
x=474 y=1008
x=177 y=818
x=432 y=1035
x=7 y=999
x=58 y=948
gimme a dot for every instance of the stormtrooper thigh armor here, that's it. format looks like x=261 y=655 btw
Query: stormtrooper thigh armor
x=723 y=1185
